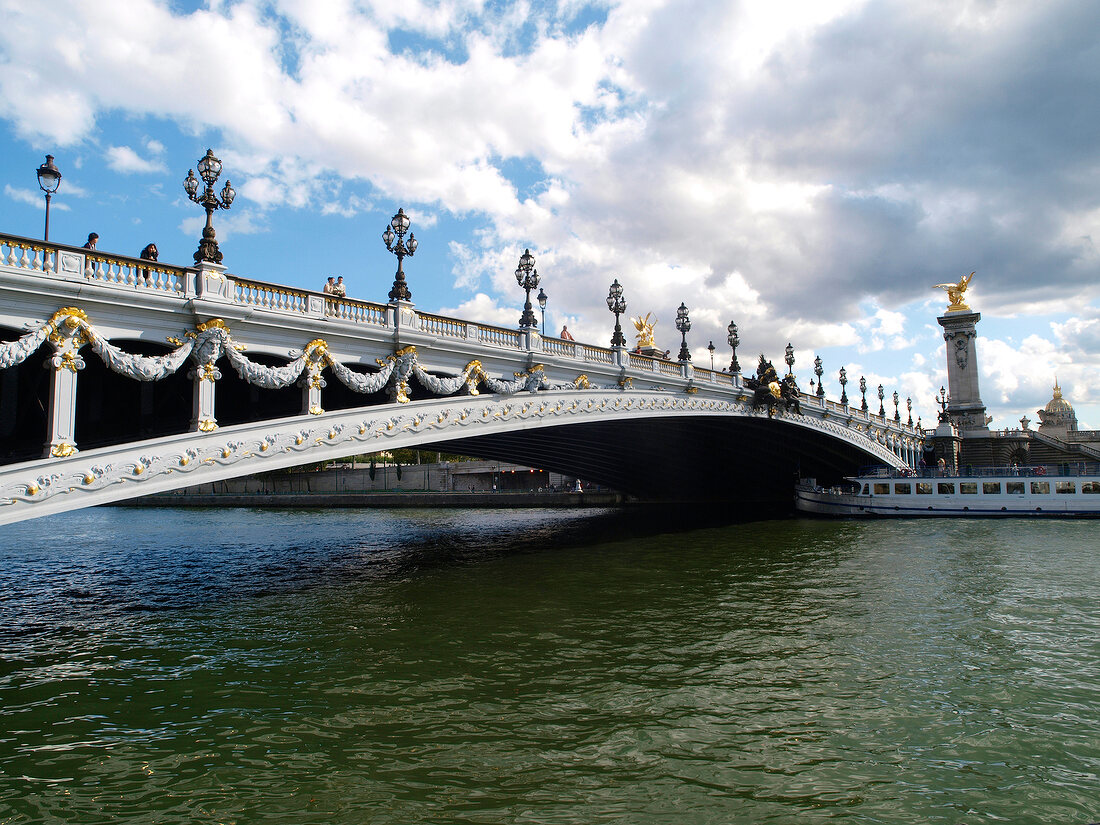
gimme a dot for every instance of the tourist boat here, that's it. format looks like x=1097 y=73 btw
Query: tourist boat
x=1063 y=491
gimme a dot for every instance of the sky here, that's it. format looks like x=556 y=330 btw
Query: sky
x=809 y=169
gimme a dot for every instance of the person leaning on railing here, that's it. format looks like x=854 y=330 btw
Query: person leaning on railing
x=149 y=253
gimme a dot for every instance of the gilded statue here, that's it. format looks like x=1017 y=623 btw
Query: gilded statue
x=645 y=330
x=955 y=293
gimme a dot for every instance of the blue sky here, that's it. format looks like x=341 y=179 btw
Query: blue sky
x=809 y=170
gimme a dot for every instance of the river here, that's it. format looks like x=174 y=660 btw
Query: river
x=551 y=667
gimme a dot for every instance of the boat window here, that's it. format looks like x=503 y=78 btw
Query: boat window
x=1090 y=487
x=1065 y=487
x=968 y=488
x=924 y=488
x=945 y=488
x=882 y=489
x=903 y=489
x=1040 y=488
x=1016 y=488
x=991 y=488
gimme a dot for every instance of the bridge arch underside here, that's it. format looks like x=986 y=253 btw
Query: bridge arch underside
x=739 y=460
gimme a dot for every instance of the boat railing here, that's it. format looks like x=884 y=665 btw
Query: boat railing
x=1075 y=468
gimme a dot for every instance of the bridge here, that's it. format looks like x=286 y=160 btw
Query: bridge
x=121 y=377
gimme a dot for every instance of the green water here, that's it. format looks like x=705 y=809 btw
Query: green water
x=546 y=667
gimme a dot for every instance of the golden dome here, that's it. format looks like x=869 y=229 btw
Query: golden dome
x=1058 y=405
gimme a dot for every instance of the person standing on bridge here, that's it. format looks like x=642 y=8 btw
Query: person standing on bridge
x=92 y=238
x=149 y=253
x=565 y=334
x=330 y=286
x=338 y=289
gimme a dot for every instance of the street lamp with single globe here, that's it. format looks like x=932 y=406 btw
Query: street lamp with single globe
x=542 y=299
x=617 y=304
x=528 y=278
x=683 y=325
x=844 y=386
x=49 y=178
x=210 y=169
x=789 y=358
x=710 y=347
x=398 y=226
x=733 y=340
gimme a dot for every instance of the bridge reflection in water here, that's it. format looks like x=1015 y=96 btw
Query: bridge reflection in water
x=121 y=377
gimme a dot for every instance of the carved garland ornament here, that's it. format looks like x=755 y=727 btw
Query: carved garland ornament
x=212 y=340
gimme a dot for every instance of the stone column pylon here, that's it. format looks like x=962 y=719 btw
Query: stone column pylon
x=67 y=339
x=965 y=406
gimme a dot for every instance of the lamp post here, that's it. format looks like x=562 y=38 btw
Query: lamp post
x=909 y=407
x=897 y=414
x=863 y=389
x=733 y=341
x=49 y=178
x=881 y=409
x=210 y=169
x=942 y=402
x=789 y=358
x=617 y=304
x=818 y=370
x=844 y=386
x=542 y=299
x=710 y=347
x=398 y=226
x=683 y=326
x=528 y=278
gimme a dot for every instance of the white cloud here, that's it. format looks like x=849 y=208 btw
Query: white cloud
x=126 y=160
x=29 y=196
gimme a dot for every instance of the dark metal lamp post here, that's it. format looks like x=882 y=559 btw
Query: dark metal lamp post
x=683 y=326
x=710 y=347
x=881 y=409
x=542 y=299
x=49 y=178
x=844 y=386
x=733 y=341
x=789 y=358
x=897 y=414
x=399 y=225
x=528 y=278
x=617 y=304
x=863 y=389
x=942 y=402
x=909 y=406
x=818 y=370
x=210 y=169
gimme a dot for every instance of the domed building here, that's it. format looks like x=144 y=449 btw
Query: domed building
x=1057 y=417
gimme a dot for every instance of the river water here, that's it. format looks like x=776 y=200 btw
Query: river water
x=434 y=666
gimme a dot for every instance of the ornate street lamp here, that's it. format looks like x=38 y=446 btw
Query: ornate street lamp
x=844 y=386
x=897 y=415
x=789 y=358
x=49 y=178
x=881 y=409
x=863 y=389
x=398 y=226
x=210 y=169
x=617 y=304
x=528 y=278
x=909 y=407
x=818 y=370
x=733 y=341
x=683 y=326
x=542 y=299
x=942 y=402
x=710 y=347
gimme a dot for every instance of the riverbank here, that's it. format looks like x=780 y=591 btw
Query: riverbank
x=476 y=500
